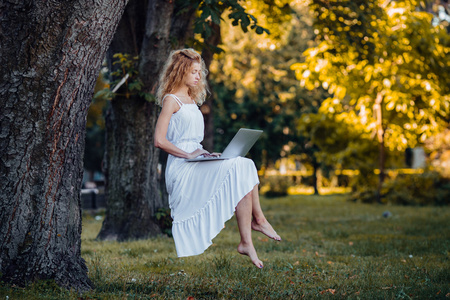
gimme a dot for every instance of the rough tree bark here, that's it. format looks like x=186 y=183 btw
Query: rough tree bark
x=50 y=55
x=207 y=108
x=149 y=29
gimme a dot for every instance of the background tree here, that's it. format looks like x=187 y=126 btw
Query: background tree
x=130 y=163
x=387 y=62
x=255 y=86
x=50 y=53
x=145 y=36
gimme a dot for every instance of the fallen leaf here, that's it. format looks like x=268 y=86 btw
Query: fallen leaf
x=332 y=291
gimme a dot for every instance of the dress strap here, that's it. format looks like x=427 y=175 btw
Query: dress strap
x=174 y=97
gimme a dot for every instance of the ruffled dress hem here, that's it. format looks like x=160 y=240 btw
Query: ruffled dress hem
x=212 y=217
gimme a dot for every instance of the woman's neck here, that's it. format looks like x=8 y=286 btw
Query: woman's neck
x=182 y=92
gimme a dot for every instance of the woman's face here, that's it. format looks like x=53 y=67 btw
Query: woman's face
x=193 y=76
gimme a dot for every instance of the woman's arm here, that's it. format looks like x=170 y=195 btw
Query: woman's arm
x=169 y=108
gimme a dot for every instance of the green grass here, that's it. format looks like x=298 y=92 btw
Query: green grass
x=331 y=248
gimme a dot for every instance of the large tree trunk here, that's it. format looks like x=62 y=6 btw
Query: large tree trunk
x=130 y=171
x=132 y=188
x=207 y=108
x=181 y=30
x=50 y=55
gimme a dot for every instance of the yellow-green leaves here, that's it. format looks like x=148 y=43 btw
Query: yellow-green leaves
x=390 y=48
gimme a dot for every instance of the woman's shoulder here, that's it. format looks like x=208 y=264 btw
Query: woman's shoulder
x=170 y=104
x=168 y=96
x=172 y=98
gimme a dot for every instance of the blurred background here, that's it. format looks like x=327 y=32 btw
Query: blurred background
x=353 y=97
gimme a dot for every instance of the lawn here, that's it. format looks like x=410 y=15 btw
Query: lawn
x=331 y=248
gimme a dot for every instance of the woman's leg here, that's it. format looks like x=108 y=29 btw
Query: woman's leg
x=244 y=220
x=260 y=222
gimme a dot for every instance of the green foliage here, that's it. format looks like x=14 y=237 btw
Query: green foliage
x=341 y=141
x=127 y=82
x=439 y=148
x=277 y=185
x=104 y=94
x=428 y=188
x=254 y=86
x=210 y=17
x=387 y=69
x=211 y=13
x=370 y=49
x=254 y=113
x=164 y=220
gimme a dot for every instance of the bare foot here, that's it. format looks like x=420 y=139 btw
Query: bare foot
x=266 y=229
x=250 y=251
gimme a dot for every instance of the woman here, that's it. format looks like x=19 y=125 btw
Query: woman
x=202 y=195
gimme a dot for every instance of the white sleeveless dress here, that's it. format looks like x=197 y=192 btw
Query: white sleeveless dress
x=202 y=195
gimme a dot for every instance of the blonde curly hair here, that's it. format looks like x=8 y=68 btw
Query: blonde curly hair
x=176 y=67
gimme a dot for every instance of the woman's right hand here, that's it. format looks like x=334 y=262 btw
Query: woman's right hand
x=197 y=153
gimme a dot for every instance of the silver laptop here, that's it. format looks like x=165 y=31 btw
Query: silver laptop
x=239 y=145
